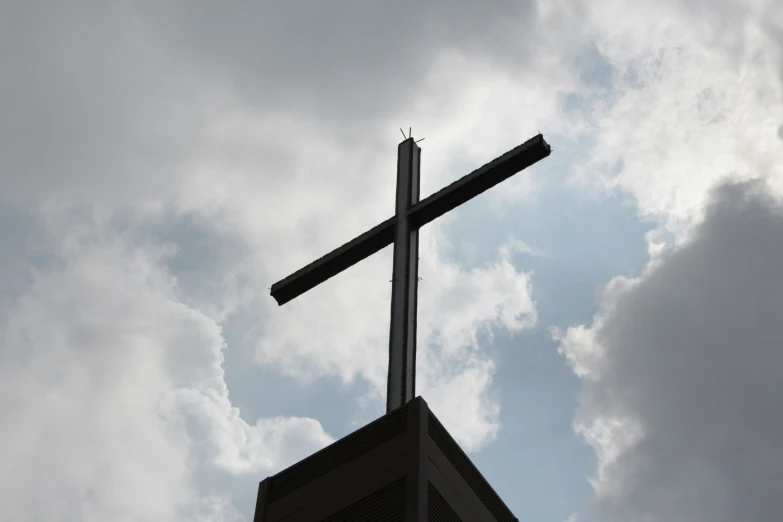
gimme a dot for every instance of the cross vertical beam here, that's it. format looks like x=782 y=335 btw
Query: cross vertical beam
x=401 y=382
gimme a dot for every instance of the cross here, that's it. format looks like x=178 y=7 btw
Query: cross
x=402 y=229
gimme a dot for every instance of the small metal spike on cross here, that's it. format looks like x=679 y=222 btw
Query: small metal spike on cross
x=410 y=135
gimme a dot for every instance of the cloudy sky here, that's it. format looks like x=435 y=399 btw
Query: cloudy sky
x=601 y=333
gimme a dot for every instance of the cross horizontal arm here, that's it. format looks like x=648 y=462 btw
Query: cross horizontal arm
x=335 y=262
x=473 y=184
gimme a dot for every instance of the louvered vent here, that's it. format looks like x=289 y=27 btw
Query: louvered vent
x=385 y=505
x=338 y=453
x=469 y=473
x=438 y=510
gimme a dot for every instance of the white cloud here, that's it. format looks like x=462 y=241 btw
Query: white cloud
x=102 y=371
x=455 y=307
x=696 y=100
x=681 y=374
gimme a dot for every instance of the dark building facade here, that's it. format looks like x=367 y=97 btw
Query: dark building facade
x=403 y=466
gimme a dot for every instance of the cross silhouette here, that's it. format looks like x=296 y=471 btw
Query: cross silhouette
x=402 y=229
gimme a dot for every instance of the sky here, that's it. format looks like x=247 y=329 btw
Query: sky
x=600 y=333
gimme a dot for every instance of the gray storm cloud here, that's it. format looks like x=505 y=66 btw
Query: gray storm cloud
x=682 y=374
x=349 y=62
x=112 y=99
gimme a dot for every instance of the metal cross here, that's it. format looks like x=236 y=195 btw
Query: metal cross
x=402 y=229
